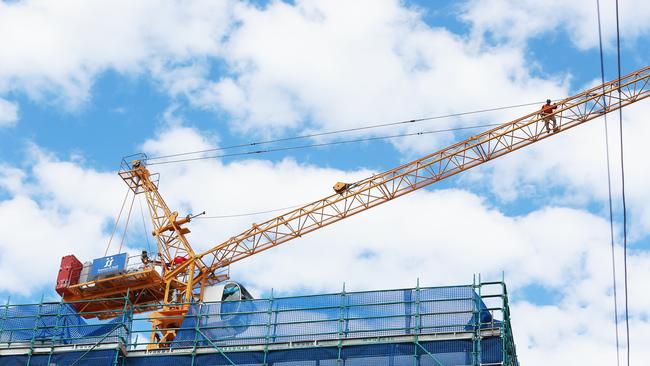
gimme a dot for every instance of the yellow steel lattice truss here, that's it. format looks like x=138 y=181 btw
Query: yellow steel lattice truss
x=370 y=192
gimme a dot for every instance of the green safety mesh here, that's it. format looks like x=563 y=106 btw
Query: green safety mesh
x=334 y=316
x=300 y=325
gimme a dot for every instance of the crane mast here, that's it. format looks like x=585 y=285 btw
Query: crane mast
x=173 y=246
x=185 y=273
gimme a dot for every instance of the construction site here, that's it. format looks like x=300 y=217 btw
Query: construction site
x=313 y=81
x=178 y=306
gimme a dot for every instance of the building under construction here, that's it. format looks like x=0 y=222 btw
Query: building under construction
x=160 y=309
x=454 y=325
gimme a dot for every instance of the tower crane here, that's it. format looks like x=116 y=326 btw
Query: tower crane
x=180 y=275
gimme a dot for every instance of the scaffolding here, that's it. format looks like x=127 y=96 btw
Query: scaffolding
x=438 y=326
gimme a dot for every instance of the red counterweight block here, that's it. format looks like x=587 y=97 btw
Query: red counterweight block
x=68 y=274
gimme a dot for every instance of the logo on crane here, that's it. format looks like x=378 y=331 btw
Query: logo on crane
x=108 y=265
x=109 y=262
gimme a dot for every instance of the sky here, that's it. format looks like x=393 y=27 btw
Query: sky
x=85 y=83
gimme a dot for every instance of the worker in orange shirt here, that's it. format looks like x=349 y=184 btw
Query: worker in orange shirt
x=547 y=113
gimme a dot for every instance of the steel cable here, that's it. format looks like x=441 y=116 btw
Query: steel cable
x=347 y=130
x=248 y=214
x=620 y=123
x=609 y=188
x=299 y=147
x=144 y=226
x=117 y=221
x=126 y=224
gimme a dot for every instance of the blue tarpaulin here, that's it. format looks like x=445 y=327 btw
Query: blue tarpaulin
x=333 y=316
x=224 y=330
x=54 y=323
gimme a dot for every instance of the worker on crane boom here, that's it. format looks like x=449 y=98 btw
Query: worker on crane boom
x=547 y=113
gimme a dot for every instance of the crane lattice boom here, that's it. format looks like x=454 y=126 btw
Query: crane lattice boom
x=381 y=188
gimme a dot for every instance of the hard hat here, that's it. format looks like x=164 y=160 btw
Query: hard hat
x=548 y=101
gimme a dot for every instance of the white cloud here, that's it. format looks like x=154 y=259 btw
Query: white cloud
x=324 y=65
x=11 y=179
x=59 y=48
x=54 y=208
x=36 y=236
x=311 y=65
x=8 y=113
x=517 y=21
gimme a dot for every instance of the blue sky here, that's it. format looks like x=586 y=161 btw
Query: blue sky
x=81 y=89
